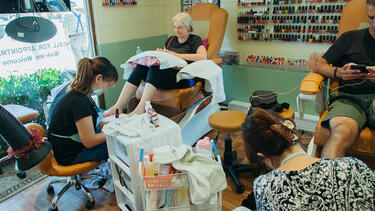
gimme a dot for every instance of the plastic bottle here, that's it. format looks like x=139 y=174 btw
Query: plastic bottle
x=139 y=50
x=204 y=147
x=151 y=114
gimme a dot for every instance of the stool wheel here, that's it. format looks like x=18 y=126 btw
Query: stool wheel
x=102 y=182
x=21 y=174
x=51 y=209
x=240 y=189
x=50 y=190
x=90 y=204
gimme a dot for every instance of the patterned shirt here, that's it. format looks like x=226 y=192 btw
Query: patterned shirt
x=337 y=184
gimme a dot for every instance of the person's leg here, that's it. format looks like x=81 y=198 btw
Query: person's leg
x=156 y=78
x=97 y=153
x=147 y=95
x=346 y=117
x=139 y=73
x=344 y=131
x=153 y=80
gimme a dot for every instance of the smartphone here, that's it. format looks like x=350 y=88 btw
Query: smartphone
x=361 y=67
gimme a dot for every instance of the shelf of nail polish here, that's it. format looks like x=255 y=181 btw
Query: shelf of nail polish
x=287 y=37
x=309 y=21
x=287 y=2
x=281 y=63
x=253 y=20
x=248 y=3
x=111 y=3
x=255 y=11
x=253 y=28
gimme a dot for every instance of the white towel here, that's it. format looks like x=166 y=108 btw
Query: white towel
x=209 y=71
x=206 y=176
x=166 y=61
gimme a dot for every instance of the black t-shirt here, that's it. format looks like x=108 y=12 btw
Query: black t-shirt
x=356 y=46
x=72 y=107
x=191 y=45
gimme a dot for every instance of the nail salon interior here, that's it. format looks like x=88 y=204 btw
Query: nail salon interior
x=209 y=105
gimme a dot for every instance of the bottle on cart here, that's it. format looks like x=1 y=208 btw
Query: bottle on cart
x=204 y=147
x=139 y=50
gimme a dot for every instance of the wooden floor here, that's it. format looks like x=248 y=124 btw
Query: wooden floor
x=36 y=197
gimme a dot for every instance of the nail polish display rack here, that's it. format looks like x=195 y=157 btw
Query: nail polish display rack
x=280 y=63
x=302 y=21
x=111 y=3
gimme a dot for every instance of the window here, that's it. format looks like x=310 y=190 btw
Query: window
x=30 y=64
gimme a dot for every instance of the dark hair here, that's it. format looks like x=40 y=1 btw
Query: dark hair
x=258 y=136
x=370 y=2
x=88 y=69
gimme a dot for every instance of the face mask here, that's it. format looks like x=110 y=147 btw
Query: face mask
x=97 y=92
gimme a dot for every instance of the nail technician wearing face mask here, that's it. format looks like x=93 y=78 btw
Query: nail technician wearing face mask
x=75 y=125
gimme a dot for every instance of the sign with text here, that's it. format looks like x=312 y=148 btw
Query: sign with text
x=19 y=57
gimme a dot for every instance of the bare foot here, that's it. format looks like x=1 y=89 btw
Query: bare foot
x=137 y=111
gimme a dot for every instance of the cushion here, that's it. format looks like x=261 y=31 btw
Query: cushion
x=200 y=28
x=175 y=98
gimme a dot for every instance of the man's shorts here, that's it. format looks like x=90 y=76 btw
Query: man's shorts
x=355 y=106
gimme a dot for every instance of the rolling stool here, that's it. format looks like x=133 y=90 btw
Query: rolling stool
x=230 y=121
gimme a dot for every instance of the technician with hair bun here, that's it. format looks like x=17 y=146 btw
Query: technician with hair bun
x=75 y=128
x=298 y=181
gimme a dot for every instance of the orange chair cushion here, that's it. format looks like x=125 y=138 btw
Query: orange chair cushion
x=364 y=145
x=175 y=98
x=287 y=113
x=218 y=22
x=226 y=121
x=50 y=167
x=22 y=113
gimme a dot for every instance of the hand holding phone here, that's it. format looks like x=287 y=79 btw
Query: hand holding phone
x=360 y=67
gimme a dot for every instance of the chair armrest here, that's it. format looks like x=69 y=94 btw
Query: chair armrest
x=310 y=90
x=311 y=84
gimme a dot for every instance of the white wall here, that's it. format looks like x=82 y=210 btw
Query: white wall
x=285 y=49
x=146 y=19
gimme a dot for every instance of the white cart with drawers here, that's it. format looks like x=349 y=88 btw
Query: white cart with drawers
x=124 y=153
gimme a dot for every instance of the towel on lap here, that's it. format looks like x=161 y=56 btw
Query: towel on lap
x=166 y=61
x=209 y=71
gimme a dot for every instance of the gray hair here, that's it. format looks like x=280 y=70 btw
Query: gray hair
x=183 y=18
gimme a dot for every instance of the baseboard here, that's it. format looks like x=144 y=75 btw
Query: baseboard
x=308 y=123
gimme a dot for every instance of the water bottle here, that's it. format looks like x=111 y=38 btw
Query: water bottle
x=204 y=147
x=138 y=50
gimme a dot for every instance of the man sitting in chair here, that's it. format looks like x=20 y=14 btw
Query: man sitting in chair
x=352 y=107
x=184 y=45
